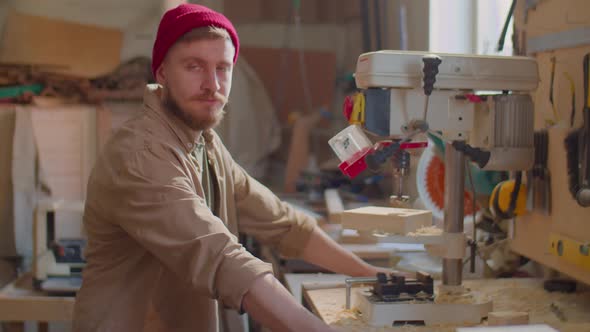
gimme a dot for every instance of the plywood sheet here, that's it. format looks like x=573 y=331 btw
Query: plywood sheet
x=74 y=49
x=551 y=16
x=567 y=217
x=531 y=233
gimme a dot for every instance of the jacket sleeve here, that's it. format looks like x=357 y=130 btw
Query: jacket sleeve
x=263 y=215
x=155 y=202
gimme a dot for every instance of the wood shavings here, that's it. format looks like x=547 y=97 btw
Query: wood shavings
x=426 y=231
x=459 y=295
x=466 y=298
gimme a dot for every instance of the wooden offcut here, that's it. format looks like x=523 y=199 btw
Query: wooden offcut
x=497 y=318
x=386 y=219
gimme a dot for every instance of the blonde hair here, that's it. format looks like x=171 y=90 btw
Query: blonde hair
x=208 y=32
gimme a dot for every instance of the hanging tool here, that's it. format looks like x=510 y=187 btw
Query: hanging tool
x=430 y=70
x=577 y=144
x=358 y=109
x=551 y=99
x=573 y=92
x=583 y=195
x=541 y=178
x=401 y=169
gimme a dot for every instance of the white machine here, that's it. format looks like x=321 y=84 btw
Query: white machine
x=480 y=107
x=57 y=261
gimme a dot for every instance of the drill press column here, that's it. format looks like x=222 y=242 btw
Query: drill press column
x=453 y=212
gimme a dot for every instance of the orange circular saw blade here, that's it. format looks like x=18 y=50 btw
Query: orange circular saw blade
x=430 y=179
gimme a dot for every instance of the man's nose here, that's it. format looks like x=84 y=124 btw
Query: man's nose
x=211 y=82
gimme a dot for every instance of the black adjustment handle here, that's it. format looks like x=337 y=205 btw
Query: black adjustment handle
x=586 y=66
x=430 y=70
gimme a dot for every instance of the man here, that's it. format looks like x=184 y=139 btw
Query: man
x=166 y=201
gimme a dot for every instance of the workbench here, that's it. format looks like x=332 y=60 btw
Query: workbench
x=327 y=300
x=19 y=302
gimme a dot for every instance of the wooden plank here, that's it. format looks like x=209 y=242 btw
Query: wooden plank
x=497 y=318
x=386 y=219
x=77 y=49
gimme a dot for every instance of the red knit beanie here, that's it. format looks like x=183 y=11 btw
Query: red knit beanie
x=182 y=19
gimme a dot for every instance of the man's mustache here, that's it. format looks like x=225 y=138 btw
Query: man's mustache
x=209 y=96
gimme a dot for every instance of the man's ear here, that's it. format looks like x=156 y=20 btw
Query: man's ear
x=160 y=74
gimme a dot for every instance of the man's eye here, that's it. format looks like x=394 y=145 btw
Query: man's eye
x=193 y=67
x=223 y=68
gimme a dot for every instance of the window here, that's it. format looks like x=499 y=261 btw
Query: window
x=468 y=26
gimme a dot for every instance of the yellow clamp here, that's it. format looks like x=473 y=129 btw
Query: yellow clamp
x=358 y=110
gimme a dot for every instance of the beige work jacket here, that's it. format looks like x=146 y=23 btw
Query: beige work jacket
x=158 y=258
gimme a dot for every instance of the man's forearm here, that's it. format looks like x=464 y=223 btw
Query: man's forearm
x=270 y=304
x=321 y=250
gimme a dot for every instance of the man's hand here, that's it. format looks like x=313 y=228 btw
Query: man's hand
x=321 y=250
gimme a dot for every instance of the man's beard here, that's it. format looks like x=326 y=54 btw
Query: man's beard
x=192 y=121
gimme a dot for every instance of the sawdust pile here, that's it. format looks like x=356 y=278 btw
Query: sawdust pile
x=459 y=295
x=426 y=231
